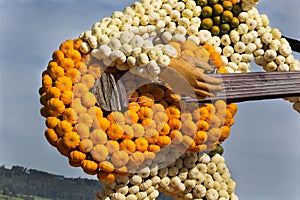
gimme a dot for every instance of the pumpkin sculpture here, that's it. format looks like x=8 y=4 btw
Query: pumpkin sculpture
x=144 y=127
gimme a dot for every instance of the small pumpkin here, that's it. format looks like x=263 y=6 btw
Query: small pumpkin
x=51 y=122
x=176 y=136
x=214 y=134
x=85 y=118
x=146 y=100
x=55 y=72
x=77 y=106
x=66 y=46
x=73 y=74
x=70 y=115
x=88 y=80
x=189 y=128
x=112 y=146
x=160 y=117
x=188 y=142
x=53 y=92
x=67 y=97
x=99 y=152
x=58 y=55
x=95 y=71
x=202 y=125
x=106 y=177
x=62 y=148
x=163 y=128
x=200 y=137
x=106 y=166
x=141 y=144
x=88 y=99
x=116 y=117
x=55 y=107
x=156 y=108
x=232 y=108
x=145 y=112
x=115 y=132
x=175 y=124
x=83 y=130
x=74 y=55
x=101 y=122
x=173 y=112
x=76 y=156
x=119 y=158
x=128 y=132
x=98 y=136
x=138 y=130
x=164 y=141
x=89 y=166
x=153 y=148
x=71 y=139
x=131 y=117
x=225 y=132
x=51 y=136
x=95 y=112
x=67 y=63
x=136 y=158
x=85 y=145
x=151 y=135
x=128 y=145
x=63 y=83
x=80 y=89
x=148 y=123
x=189 y=45
x=134 y=106
x=63 y=127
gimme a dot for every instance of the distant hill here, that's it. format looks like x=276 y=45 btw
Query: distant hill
x=19 y=183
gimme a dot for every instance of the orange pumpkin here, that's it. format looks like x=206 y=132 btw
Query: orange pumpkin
x=175 y=124
x=163 y=128
x=119 y=158
x=95 y=112
x=106 y=177
x=51 y=122
x=58 y=55
x=52 y=92
x=146 y=100
x=70 y=115
x=134 y=106
x=145 y=112
x=200 y=137
x=153 y=148
x=67 y=97
x=51 y=136
x=63 y=83
x=89 y=165
x=127 y=145
x=55 y=107
x=98 y=136
x=73 y=74
x=106 y=166
x=232 y=108
x=85 y=145
x=55 y=72
x=66 y=46
x=176 y=136
x=71 y=139
x=88 y=99
x=99 y=152
x=76 y=156
x=115 y=132
x=67 y=63
x=225 y=132
x=141 y=144
x=131 y=117
x=148 y=123
x=63 y=127
x=202 y=125
x=173 y=112
x=101 y=122
x=62 y=148
x=164 y=141
x=74 y=55
x=188 y=142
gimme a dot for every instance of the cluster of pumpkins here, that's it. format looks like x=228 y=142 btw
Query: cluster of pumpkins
x=115 y=143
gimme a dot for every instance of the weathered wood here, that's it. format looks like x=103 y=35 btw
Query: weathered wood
x=256 y=86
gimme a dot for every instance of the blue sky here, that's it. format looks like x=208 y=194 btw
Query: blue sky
x=262 y=152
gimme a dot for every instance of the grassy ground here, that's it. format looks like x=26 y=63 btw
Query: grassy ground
x=5 y=197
